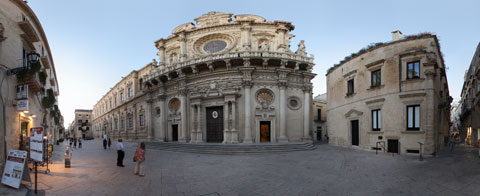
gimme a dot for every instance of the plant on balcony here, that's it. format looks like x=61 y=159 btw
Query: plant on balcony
x=55 y=114
x=49 y=100
x=42 y=91
x=29 y=71
x=43 y=77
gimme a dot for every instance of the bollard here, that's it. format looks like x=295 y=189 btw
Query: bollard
x=68 y=158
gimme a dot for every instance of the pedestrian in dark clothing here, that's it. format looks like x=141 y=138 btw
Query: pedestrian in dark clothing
x=70 y=140
x=79 y=143
x=105 y=141
x=109 y=143
x=120 y=153
x=75 y=143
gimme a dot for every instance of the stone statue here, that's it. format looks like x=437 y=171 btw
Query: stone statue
x=154 y=62
x=301 y=48
x=263 y=46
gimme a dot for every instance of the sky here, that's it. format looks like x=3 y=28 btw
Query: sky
x=96 y=42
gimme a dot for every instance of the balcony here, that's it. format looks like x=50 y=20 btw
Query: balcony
x=188 y=62
x=45 y=62
x=30 y=34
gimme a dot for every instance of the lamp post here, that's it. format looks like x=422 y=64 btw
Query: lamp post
x=33 y=57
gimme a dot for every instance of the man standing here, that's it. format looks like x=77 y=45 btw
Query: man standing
x=120 y=153
x=105 y=141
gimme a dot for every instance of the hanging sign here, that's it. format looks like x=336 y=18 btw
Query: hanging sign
x=13 y=171
x=22 y=105
x=36 y=144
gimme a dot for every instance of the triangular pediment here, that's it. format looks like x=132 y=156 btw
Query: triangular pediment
x=352 y=112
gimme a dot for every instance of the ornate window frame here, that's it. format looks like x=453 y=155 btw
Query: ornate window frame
x=294 y=98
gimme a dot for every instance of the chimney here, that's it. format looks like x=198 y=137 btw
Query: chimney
x=396 y=35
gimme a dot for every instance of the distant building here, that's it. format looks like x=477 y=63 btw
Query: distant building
x=81 y=127
x=29 y=82
x=319 y=111
x=469 y=114
x=394 y=94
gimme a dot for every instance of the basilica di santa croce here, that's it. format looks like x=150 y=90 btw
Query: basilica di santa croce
x=229 y=79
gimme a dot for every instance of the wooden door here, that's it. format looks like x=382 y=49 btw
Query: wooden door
x=264 y=131
x=392 y=146
x=175 y=133
x=319 y=133
x=214 y=124
x=355 y=134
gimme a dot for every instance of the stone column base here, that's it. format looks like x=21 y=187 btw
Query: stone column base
x=283 y=139
x=307 y=139
x=248 y=141
x=193 y=137
x=182 y=139
x=199 y=136
x=234 y=136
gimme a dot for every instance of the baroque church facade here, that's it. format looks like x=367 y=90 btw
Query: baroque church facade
x=219 y=80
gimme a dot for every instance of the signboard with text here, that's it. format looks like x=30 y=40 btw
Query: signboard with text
x=13 y=171
x=36 y=144
x=22 y=105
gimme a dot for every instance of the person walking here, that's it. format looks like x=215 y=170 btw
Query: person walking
x=109 y=143
x=139 y=158
x=75 y=143
x=70 y=141
x=120 y=153
x=79 y=142
x=451 y=142
x=105 y=141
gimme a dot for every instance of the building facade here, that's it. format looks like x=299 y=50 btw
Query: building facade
x=469 y=106
x=217 y=81
x=81 y=126
x=29 y=89
x=391 y=96
x=319 y=111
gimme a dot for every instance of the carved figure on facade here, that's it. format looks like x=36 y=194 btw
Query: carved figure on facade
x=301 y=48
x=263 y=45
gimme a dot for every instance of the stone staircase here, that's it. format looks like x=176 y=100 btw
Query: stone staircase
x=216 y=148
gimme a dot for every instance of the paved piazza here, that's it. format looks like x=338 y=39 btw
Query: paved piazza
x=327 y=170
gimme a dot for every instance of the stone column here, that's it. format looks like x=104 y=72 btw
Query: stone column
x=192 y=124
x=149 y=119
x=246 y=35
x=226 y=133
x=233 y=131
x=306 y=114
x=161 y=52
x=283 y=113
x=199 y=124
x=427 y=110
x=183 y=109
x=248 y=116
x=163 y=135
x=183 y=46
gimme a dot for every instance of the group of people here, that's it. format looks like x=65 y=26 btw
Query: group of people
x=139 y=157
x=73 y=140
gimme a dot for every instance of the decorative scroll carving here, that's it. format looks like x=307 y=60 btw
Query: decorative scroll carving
x=213 y=19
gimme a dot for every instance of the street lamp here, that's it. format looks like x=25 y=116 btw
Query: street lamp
x=33 y=57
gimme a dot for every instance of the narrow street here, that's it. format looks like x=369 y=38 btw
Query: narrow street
x=325 y=171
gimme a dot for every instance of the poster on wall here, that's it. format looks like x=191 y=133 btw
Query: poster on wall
x=13 y=171
x=36 y=144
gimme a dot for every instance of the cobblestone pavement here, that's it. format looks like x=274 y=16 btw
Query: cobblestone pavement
x=327 y=170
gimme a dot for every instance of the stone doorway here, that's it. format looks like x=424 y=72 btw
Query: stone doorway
x=175 y=133
x=214 y=124
x=265 y=131
x=355 y=134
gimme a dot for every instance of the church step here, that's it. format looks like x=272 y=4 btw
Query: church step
x=206 y=148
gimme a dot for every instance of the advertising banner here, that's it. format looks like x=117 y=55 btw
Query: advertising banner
x=36 y=144
x=13 y=171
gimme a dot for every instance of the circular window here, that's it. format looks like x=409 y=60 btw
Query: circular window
x=294 y=103
x=174 y=105
x=265 y=96
x=214 y=46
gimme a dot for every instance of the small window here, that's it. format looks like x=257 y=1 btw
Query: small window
x=142 y=120
x=79 y=128
x=319 y=114
x=350 y=89
x=130 y=121
x=88 y=128
x=141 y=84
x=413 y=117
x=122 y=97
x=86 y=121
x=130 y=92
x=376 y=120
x=122 y=124
x=79 y=121
x=413 y=70
x=376 y=78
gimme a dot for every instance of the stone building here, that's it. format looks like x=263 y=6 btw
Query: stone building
x=29 y=86
x=219 y=80
x=319 y=112
x=469 y=106
x=81 y=126
x=394 y=94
